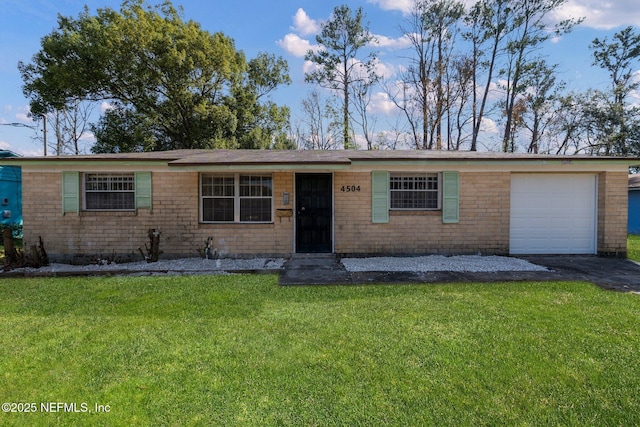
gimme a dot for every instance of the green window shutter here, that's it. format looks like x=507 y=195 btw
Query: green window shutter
x=380 y=197
x=450 y=197
x=143 y=190
x=70 y=192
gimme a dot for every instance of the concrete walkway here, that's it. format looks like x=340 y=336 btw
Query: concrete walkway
x=608 y=273
x=314 y=269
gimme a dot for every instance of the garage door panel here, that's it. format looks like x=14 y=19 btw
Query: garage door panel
x=553 y=214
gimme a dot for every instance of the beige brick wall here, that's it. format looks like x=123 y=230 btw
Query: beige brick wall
x=263 y=239
x=483 y=226
x=612 y=213
x=175 y=213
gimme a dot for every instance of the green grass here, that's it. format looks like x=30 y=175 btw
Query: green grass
x=633 y=247
x=240 y=350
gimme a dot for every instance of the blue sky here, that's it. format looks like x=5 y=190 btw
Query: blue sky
x=286 y=28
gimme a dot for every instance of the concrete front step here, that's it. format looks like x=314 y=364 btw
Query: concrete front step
x=310 y=269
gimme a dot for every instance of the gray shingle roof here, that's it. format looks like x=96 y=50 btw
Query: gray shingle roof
x=292 y=157
x=244 y=157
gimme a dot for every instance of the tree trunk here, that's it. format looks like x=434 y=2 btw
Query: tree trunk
x=153 y=252
x=345 y=107
x=10 y=253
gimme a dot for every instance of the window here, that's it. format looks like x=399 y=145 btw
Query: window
x=218 y=198
x=255 y=198
x=414 y=191
x=236 y=198
x=109 y=191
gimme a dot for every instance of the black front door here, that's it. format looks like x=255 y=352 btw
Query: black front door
x=313 y=212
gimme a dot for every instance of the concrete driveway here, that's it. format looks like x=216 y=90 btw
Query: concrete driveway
x=608 y=273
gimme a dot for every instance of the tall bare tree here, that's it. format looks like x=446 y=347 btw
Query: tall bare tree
x=317 y=128
x=433 y=88
x=540 y=100
x=489 y=23
x=440 y=18
x=362 y=93
x=68 y=127
x=339 y=67
x=402 y=94
x=461 y=92
x=531 y=28
x=616 y=118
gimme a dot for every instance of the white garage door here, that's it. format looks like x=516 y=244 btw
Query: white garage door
x=553 y=214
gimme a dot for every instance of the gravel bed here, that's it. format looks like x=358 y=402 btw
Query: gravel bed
x=387 y=264
x=184 y=265
x=465 y=263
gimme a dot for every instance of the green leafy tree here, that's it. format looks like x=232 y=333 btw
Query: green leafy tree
x=164 y=75
x=122 y=130
x=262 y=123
x=339 y=68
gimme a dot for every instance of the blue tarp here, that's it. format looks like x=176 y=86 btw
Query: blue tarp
x=10 y=192
x=634 y=212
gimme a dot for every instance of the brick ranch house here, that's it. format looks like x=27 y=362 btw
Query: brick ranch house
x=277 y=203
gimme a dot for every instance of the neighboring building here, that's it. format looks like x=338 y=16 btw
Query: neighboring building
x=634 y=204
x=278 y=203
x=10 y=192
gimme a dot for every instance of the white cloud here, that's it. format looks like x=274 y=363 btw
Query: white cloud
x=381 y=104
x=88 y=137
x=488 y=126
x=105 y=106
x=385 y=70
x=303 y=25
x=602 y=14
x=496 y=90
x=29 y=153
x=599 y=14
x=361 y=141
x=24 y=118
x=390 y=43
x=5 y=145
x=407 y=6
x=309 y=67
x=295 y=45
x=403 y=6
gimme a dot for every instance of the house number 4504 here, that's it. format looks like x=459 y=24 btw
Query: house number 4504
x=350 y=188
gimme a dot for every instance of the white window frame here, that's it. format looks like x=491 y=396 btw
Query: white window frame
x=108 y=175
x=237 y=198
x=414 y=175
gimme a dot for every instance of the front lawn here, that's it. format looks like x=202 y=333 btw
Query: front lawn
x=240 y=350
x=633 y=247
